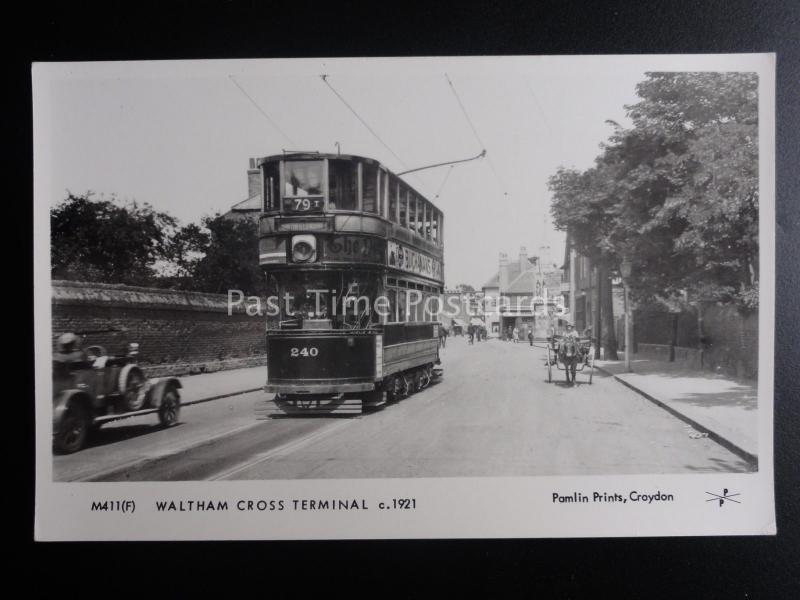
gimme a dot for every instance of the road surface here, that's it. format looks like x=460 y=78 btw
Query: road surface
x=493 y=414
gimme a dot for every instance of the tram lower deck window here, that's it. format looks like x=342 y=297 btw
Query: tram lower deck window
x=332 y=300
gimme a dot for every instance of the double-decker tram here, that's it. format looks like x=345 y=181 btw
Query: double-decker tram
x=353 y=260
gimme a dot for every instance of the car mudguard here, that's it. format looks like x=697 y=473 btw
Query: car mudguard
x=62 y=401
x=158 y=388
x=123 y=376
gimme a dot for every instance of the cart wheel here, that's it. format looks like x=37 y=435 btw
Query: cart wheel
x=549 y=367
x=170 y=408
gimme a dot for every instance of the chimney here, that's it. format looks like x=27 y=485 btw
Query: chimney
x=253 y=180
x=524 y=265
x=503 y=272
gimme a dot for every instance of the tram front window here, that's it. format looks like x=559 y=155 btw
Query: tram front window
x=328 y=300
x=303 y=186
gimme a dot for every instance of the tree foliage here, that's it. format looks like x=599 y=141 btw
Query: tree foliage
x=106 y=240
x=113 y=242
x=229 y=256
x=677 y=192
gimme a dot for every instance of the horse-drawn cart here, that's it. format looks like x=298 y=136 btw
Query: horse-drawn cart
x=571 y=355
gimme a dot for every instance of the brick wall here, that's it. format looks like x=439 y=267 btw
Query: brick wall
x=178 y=332
x=730 y=339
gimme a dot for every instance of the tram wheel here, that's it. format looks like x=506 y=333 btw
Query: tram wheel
x=419 y=380
x=428 y=374
x=399 y=387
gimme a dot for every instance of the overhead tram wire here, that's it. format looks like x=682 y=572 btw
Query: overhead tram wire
x=324 y=78
x=261 y=110
x=477 y=136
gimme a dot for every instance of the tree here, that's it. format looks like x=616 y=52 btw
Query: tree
x=706 y=127
x=106 y=240
x=462 y=288
x=677 y=192
x=229 y=256
x=583 y=206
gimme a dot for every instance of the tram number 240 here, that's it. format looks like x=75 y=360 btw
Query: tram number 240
x=298 y=352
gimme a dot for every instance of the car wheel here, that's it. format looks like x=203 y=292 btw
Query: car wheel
x=170 y=408
x=74 y=429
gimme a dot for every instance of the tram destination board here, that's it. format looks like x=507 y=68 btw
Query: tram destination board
x=351 y=248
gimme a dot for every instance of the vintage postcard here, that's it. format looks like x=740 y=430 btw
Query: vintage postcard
x=445 y=297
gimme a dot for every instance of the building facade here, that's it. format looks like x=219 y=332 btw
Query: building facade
x=462 y=307
x=580 y=289
x=524 y=294
x=250 y=207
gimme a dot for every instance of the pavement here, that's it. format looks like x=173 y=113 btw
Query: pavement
x=221 y=384
x=721 y=407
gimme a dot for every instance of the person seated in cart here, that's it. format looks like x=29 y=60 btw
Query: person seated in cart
x=570 y=333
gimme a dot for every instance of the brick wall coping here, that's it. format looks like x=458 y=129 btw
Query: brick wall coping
x=127 y=296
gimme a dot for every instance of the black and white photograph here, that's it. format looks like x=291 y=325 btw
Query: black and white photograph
x=520 y=296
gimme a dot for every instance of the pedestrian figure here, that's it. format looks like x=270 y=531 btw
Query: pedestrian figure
x=443 y=333
x=530 y=336
x=516 y=335
x=471 y=334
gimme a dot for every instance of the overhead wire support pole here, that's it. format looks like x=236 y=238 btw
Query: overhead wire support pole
x=443 y=164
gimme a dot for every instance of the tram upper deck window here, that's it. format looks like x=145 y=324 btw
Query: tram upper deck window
x=271 y=186
x=392 y=199
x=435 y=226
x=342 y=185
x=302 y=186
x=383 y=178
x=403 y=206
x=369 y=187
x=412 y=211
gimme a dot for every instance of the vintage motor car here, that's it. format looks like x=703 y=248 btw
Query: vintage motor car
x=95 y=388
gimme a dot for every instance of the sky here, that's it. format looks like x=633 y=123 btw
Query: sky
x=178 y=134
